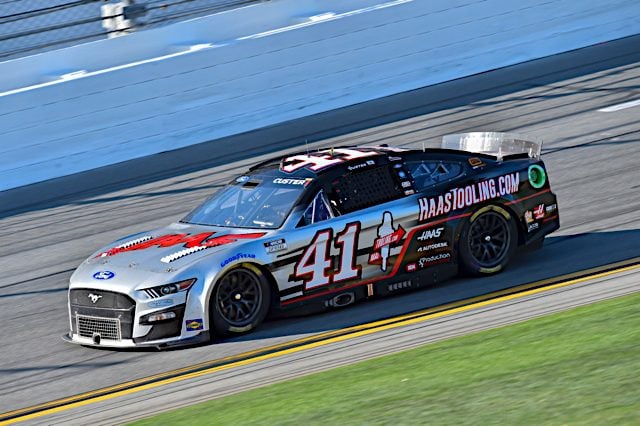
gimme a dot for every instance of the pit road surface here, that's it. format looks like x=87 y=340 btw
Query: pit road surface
x=592 y=157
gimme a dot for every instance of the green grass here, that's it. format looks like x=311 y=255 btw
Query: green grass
x=577 y=367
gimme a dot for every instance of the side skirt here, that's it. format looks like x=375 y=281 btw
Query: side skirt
x=398 y=284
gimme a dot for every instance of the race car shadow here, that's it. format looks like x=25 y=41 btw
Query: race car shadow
x=560 y=256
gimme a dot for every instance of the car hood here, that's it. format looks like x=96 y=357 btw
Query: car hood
x=173 y=247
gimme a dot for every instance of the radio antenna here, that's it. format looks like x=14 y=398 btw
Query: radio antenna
x=423 y=148
x=306 y=145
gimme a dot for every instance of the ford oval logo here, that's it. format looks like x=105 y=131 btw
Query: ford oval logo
x=103 y=275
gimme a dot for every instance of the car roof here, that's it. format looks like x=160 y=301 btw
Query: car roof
x=315 y=163
x=312 y=164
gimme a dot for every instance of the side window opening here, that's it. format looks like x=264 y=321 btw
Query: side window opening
x=365 y=188
x=429 y=173
x=317 y=211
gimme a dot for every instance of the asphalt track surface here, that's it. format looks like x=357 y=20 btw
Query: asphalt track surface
x=593 y=159
x=375 y=340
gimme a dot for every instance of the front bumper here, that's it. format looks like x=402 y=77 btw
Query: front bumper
x=110 y=319
x=203 y=337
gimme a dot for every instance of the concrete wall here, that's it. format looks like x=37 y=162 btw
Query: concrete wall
x=108 y=101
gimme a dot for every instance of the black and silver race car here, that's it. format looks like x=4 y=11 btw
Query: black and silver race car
x=317 y=230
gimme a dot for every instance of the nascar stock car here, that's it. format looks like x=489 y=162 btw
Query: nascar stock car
x=313 y=231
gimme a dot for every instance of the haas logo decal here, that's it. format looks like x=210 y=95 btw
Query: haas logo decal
x=430 y=233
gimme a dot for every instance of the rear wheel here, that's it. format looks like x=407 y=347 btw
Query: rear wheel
x=240 y=301
x=488 y=241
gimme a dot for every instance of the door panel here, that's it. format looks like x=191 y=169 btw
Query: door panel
x=359 y=247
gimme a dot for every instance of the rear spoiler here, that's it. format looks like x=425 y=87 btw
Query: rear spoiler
x=493 y=143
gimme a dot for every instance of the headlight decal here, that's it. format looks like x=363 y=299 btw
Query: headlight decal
x=167 y=289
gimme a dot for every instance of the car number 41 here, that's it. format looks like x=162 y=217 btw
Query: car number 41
x=316 y=267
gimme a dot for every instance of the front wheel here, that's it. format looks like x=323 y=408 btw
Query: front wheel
x=488 y=241
x=240 y=301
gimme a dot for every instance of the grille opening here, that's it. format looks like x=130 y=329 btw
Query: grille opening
x=107 y=328
x=108 y=299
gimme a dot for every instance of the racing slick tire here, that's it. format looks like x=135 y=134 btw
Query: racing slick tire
x=240 y=301
x=488 y=241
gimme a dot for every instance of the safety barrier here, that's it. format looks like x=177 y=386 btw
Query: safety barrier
x=113 y=100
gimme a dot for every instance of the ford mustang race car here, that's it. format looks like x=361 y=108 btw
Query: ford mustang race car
x=317 y=230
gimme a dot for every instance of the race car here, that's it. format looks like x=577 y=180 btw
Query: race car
x=317 y=230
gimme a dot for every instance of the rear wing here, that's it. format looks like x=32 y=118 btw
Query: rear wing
x=493 y=143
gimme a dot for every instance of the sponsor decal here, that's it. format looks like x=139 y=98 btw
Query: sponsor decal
x=388 y=236
x=369 y=290
x=195 y=242
x=160 y=303
x=538 y=212
x=235 y=257
x=551 y=208
x=460 y=198
x=435 y=259
x=243 y=179
x=528 y=216
x=94 y=297
x=399 y=286
x=323 y=159
x=276 y=245
x=361 y=165
x=428 y=234
x=406 y=184
x=409 y=192
x=434 y=246
x=316 y=267
x=537 y=176
x=533 y=226
x=194 y=324
x=476 y=162
x=289 y=181
x=411 y=267
x=103 y=275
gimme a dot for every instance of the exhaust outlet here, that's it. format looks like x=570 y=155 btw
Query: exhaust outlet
x=342 y=300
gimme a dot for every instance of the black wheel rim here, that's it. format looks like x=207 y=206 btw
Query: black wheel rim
x=239 y=297
x=489 y=239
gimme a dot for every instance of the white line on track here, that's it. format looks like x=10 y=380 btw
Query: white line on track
x=618 y=107
x=313 y=20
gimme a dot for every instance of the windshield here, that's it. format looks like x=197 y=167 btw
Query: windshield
x=250 y=202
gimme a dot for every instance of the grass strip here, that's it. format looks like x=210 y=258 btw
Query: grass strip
x=576 y=367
